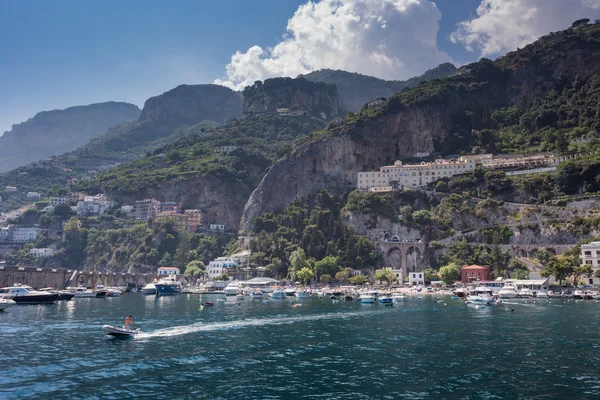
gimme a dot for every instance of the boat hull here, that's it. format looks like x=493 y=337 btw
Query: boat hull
x=167 y=289
x=114 y=331
x=36 y=299
x=5 y=303
x=65 y=296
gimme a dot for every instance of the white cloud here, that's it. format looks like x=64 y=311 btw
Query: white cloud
x=504 y=25
x=392 y=39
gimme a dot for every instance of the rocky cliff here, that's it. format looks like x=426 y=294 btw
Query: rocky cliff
x=434 y=115
x=55 y=132
x=356 y=89
x=298 y=95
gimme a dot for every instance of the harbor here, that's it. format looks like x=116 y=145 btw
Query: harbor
x=268 y=348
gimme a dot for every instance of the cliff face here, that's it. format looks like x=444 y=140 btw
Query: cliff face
x=356 y=89
x=423 y=119
x=55 y=132
x=315 y=98
x=191 y=104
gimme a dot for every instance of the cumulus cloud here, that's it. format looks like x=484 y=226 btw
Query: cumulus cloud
x=392 y=39
x=504 y=25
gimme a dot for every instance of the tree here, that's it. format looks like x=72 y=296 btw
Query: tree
x=543 y=256
x=558 y=267
x=327 y=266
x=359 y=280
x=341 y=276
x=304 y=275
x=195 y=268
x=223 y=277
x=166 y=260
x=519 y=274
x=430 y=274
x=582 y=270
x=450 y=274
x=183 y=250
x=597 y=273
x=63 y=211
x=298 y=261
x=325 y=278
x=385 y=275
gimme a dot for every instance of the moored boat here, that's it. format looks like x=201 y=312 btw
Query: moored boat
x=81 y=292
x=460 y=292
x=385 y=299
x=542 y=294
x=5 y=303
x=277 y=294
x=508 y=291
x=168 y=286
x=525 y=293
x=232 y=289
x=366 y=298
x=481 y=295
x=26 y=295
x=149 y=289
x=302 y=295
x=290 y=291
x=399 y=297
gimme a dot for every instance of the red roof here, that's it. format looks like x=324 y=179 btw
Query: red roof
x=475 y=267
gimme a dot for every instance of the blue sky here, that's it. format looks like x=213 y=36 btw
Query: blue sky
x=56 y=54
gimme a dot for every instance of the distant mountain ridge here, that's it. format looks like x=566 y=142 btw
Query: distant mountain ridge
x=60 y=131
x=355 y=89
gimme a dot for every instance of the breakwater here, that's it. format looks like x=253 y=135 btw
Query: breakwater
x=60 y=277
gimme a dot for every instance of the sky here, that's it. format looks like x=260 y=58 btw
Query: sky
x=57 y=54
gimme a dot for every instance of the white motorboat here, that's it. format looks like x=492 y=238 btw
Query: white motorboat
x=508 y=291
x=366 y=298
x=240 y=296
x=302 y=295
x=525 y=293
x=290 y=291
x=481 y=295
x=255 y=294
x=114 y=331
x=277 y=294
x=83 y=292
x=542 y=294
x=149 y=289
x=399 y=297
x=22 y=294
x=5 y=303
x=232 y=289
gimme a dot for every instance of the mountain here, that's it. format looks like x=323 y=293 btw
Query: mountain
x=59 y=131
x=356 y=89
x=536 y=98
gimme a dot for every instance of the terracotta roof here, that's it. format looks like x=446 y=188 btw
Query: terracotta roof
x=475 y=267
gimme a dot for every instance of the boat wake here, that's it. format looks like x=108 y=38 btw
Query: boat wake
x=219 y=326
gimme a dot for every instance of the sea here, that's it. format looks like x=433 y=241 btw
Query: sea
x=434 y=347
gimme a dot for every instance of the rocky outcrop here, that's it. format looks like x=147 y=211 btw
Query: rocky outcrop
x=297 y=95
x=191 y=104
x=55 y=132
x=356 y=89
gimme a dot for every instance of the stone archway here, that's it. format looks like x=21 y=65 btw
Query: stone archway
x=413 y=259
x=551 y=251
x=521 y=253
x=386 y=237
x=533 y=253
x=394 y=258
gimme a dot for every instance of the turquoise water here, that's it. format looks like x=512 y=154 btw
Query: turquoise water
x=269 y=350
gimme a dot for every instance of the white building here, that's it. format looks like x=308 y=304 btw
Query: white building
x=414 y=175
x=127 y=209
x=5 y=233
x=34 y=195
x=168 y=271
x=590 y=255
x=23 y=234
x=416 y=278
x=10 y=189
x=218 y=267
x=92 y=206
x=42 y=252
x=397 y=272
x=54 y=201
x=216 y=228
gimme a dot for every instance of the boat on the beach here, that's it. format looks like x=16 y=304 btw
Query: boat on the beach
x=5 y=303
x=114 y=331
x=22 y=294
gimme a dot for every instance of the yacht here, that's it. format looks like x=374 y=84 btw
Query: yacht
x=63 y=295
x=291 y=291
x=277 y=294
x=255 y=294
x=525 y=293
x=232 y=289
x=26 y=295
x=508 y=291
x=101 y=291
x=83 y=292
x=5 y=303
x=367 y=298
x=149 y=289
x=481 y=296
x=399 y=297
x=302 y=295
x=542 y=294
x=168 y=286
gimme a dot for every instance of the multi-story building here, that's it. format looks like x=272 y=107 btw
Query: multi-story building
x=42 y=252
x=24 y=234
x=414 y=175
x=173 y=206
x=188 y=221
x=168 y=271
x=6 y=233
x=10 y=189
x=146 y=209
x=91 y=206
x=54 y=201
x=590 y=255
x=34 y=195
x=216 y=228
x=218 y=267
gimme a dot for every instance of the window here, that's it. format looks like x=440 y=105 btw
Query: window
x=588 y=262
x=588 y=253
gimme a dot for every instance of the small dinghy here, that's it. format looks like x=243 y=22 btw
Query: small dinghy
x=114 y=331
x=209 y=303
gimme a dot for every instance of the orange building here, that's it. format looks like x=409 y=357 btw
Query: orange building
x=470 y=273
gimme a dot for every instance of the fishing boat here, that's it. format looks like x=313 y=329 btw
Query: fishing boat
x=168 y=286
x=149 y=289
x=5 y=303
x=21 y=294
x=114 y=331
x=277 y=294
x=366 y=298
